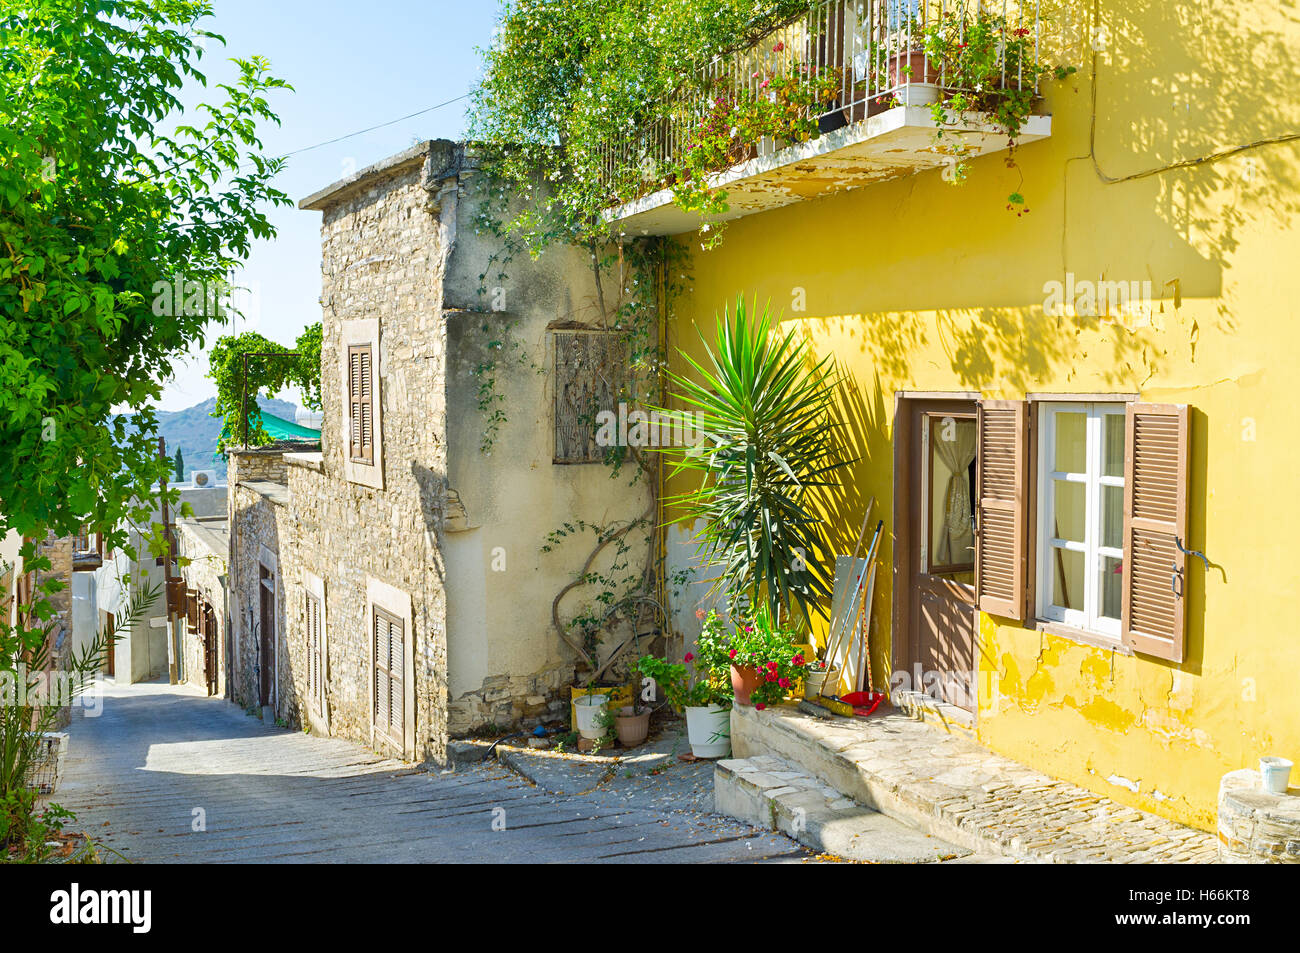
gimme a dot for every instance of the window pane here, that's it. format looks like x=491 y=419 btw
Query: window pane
x=952 y=508
x=1069 y=507
x=1112 y=445
x=1067 y=578
x=1071 y=445
x=1112 y=517
x=1112 y=581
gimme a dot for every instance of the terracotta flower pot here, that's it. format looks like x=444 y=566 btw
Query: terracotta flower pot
x=631 y=727
x=744 y=679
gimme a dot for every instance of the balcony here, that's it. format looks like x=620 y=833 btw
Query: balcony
x=855 y=83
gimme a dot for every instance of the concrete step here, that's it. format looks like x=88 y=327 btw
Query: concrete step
x=769 y=792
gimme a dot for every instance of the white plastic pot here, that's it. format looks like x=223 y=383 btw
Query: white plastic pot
x=589 y=708
x=1274 y=774
x=708 y=730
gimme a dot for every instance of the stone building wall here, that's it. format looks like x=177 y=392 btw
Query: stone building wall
x=258 y=525
x=203 y=574
x=382 y=259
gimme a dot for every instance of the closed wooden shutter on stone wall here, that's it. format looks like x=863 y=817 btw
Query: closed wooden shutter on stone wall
x=1155 y=518
x=390 y=665
x=1001 y=480
x=589 y=372
x=361 y=408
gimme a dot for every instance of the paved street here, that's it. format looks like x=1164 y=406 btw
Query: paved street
x=162 y=760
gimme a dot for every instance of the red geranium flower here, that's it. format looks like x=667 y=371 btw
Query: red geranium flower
x=689 y=656
x=732 y=653
x=784 y=682
x=759 y=707
x=798 y=659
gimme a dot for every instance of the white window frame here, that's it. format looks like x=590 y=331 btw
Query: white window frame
x=1089 y=618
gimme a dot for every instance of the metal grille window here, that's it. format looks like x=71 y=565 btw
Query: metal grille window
x=589 y=372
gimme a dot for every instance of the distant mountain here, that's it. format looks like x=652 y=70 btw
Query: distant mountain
x=195 y=431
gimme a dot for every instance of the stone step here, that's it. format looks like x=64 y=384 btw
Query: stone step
x=943 y=784
x=769 y=792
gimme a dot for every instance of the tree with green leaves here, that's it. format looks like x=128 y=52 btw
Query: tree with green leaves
x=271 y=368
x=178 y=466
x=565 y=79
x=122 y=218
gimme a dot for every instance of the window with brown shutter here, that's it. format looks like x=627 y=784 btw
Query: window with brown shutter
x=390 y=665
x=1001 y=478
x=361 y=419
x=1155 y=521
x=315 y=655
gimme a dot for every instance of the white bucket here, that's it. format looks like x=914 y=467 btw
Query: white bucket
x=1273 y=773
x=589 y=708
x=708 y=729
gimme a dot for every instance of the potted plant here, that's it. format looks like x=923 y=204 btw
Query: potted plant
x=989 y=65
x=632 y=724
x=761 y=655
x=705 y=699
x=817 y=674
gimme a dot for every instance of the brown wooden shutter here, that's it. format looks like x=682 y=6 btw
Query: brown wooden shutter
x=1155 y=514
x=390 y=661
x=1000 y=486
x=361 y=408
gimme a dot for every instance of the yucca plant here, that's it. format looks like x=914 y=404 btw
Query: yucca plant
x=768 y=442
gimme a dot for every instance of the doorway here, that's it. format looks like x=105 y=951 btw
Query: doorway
x=934 y=483
x=266 y=659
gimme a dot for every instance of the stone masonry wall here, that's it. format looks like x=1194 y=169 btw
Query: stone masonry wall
x=256 y=521
x=202 y=575
x=381 y=259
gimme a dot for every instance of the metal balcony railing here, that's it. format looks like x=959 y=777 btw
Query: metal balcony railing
x=843 y=61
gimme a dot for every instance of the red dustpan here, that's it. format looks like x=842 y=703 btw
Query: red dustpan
x=864 y=703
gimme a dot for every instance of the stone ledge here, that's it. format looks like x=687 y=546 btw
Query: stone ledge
x=963 y=793
x=1257 y=826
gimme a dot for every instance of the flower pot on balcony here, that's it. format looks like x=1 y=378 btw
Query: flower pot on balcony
x=708 y=729
x=631 y=727
x=893 y=87
x=744 y=679
x=588 y=710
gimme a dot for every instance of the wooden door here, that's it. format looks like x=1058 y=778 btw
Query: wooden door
x=110 y=630
x=940 y=574
x=210 y=649
x=266 y=659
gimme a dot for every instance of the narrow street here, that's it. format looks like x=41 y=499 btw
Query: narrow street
x=167 y=775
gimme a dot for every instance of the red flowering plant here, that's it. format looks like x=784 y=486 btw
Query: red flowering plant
x=756 y=641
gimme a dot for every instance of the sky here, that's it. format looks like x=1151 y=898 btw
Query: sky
x=353 y=66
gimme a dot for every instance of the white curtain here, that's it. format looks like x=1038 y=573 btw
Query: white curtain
x=955 y=538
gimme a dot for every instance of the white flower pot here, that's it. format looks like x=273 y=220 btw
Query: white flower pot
x=589 y=708
x=708 y=730
x=1274 y=774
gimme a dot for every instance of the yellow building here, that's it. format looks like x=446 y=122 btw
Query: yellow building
x=1065 y=393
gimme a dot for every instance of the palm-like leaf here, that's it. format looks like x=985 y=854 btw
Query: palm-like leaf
x=768 y=442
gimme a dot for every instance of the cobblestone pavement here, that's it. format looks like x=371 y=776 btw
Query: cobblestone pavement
x=965 y=793
x=165 y=774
